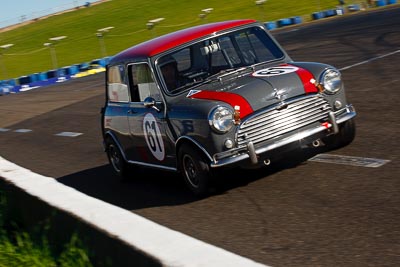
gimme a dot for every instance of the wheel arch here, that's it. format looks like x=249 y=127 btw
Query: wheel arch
x=190 y=141
x=109 y=134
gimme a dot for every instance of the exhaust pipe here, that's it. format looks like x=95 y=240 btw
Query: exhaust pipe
x=316 y=143
x=267 y=162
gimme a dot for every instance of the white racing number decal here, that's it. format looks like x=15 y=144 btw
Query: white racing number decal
x=274 y=71
x=153 y=136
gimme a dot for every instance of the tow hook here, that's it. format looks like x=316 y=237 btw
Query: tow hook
x=332 y=120
x=252 y=153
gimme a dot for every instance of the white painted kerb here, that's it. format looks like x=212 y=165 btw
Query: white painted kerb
x=170 y=247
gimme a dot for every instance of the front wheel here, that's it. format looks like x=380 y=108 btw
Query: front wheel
x=195 y=169
x=346 y=135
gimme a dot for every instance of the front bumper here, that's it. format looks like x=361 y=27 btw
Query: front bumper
x=255 y=151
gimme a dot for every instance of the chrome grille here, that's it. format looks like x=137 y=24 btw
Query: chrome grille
x=273 y=122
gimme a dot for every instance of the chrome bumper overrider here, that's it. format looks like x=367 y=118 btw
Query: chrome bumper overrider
x=251 y=151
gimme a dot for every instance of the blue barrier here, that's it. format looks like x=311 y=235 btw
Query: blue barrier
x=390 y=2
x=284 y=22
x=107 y=60
x=42 y=76
x=73 y=70
x=102 y=61
x=317 y=15
x=61 y=72
x=33 y=77
x=330 y=13
x=296 y=20
x=51 y=74
x=355 y=7
x=11 y=82
x=24 y=80
x=380 y=2
x=271 y=25
x=83 y=66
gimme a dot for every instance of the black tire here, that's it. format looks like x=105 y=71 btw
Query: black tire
x=117 y=161
x=346 y=135
x=195 y=169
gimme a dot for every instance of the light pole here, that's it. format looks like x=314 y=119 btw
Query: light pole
x=318 y=5
x=52 y=48
x=52 y=54
x=100 y=34
x=151 y=24
x=4 y=69
x=261 y=3
x=205 y=13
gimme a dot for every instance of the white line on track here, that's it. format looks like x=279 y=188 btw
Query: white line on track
x=349 y=160
x=369 y=60
x=68 y=134
x=22 y=131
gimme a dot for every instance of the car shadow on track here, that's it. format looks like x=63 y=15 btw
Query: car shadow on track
x=152 y=188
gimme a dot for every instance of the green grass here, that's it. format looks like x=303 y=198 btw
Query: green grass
x=129 y=18
x=20 y=248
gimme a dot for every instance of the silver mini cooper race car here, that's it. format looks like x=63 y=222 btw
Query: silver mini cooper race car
x=218 y=95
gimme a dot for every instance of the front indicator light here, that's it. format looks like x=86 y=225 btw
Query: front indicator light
x=228 y=143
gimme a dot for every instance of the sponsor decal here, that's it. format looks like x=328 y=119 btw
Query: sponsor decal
x=304 y=75
x=229 y=98
x=153 y=136
x=275 y=71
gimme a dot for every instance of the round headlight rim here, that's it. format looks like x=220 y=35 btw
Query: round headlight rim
x=322 y=81
x=211 y=118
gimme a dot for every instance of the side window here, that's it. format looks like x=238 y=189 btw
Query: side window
x=117 y=90
x=142 y=83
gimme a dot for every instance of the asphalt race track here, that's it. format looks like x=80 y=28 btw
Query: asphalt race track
x=294 y=213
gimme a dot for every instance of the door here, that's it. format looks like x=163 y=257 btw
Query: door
x=147 y=123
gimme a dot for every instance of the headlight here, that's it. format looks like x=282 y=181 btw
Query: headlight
x=221 y=119
x=331 y=80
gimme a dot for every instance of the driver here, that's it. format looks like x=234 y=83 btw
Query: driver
x=169 y=70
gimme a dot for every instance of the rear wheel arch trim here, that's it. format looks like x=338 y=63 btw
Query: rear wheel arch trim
x=109 y=134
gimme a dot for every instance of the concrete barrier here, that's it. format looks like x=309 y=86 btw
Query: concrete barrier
x=115 y=234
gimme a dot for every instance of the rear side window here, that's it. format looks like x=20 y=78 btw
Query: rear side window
x=117 y=90
x=142 y=84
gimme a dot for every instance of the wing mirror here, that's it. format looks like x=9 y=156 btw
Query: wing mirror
x=150 y=102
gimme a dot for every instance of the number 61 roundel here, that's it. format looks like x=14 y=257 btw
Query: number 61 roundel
x=153 y=136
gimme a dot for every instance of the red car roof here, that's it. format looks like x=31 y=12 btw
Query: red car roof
x=171 y=40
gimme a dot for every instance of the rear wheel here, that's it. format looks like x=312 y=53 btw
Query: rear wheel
x=117 y=161
x=346 y=135
x=195 y=169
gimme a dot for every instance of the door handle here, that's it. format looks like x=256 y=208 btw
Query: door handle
x=131 y=111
